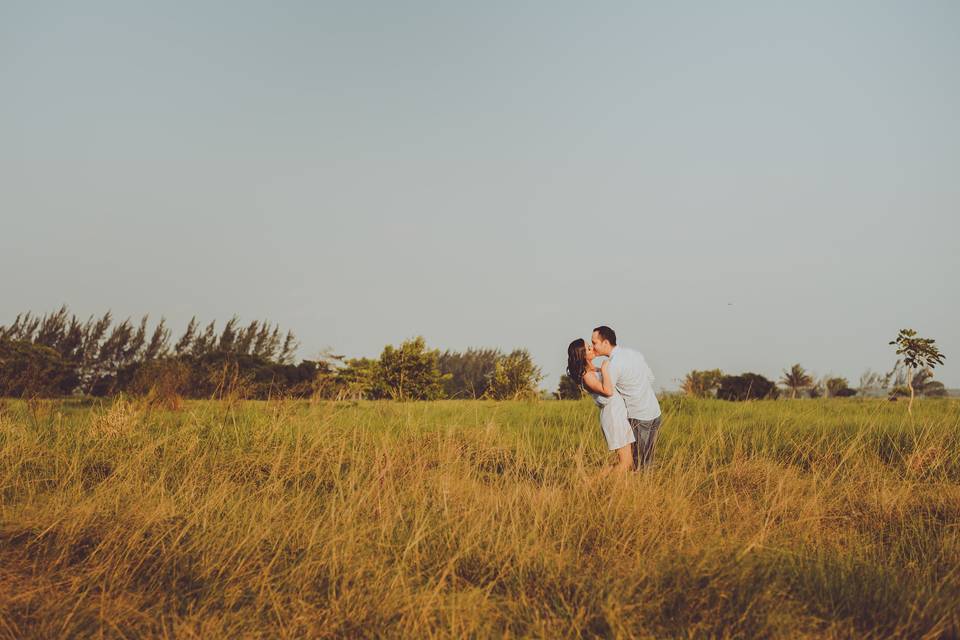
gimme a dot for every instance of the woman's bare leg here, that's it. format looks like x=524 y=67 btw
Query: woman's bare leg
x=624 y=459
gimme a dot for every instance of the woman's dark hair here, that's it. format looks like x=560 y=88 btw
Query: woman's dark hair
x=577 y=360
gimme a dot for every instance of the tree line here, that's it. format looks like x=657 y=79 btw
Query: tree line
x=906 y=379
x=58 y=354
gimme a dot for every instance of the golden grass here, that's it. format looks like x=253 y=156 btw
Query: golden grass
x=477 y=519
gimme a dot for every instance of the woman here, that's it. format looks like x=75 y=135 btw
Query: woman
x=613 y=411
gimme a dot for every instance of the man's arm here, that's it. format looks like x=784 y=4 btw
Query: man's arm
x=609 y=378
x=648 y=371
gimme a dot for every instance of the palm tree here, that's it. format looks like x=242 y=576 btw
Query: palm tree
x=796 y=379
x=702 y=384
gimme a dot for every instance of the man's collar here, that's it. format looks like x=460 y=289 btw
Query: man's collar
x=614 y=350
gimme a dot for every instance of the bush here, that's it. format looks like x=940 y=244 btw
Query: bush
x=568 y=389
x=837 y=388
x=934 y=389
x=31 y=370
x=408 y=372
x=747 y=386
x=515 y=376
x=468 y=374
x=163 y=381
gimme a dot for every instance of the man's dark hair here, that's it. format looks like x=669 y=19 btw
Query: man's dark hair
x=606 y=333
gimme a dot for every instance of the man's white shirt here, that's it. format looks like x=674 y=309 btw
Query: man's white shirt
x=632 y=377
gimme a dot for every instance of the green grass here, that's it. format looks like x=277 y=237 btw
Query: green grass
x=836 y=518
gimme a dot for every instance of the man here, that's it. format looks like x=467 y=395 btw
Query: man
x=632 y=377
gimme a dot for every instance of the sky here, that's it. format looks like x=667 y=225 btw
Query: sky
x=741 y=185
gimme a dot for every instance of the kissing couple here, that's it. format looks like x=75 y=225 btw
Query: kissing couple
x=623 y=389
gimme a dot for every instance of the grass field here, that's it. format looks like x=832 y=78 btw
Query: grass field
x=477 y=519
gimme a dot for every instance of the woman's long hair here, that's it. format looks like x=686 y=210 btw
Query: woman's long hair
x=577 y=360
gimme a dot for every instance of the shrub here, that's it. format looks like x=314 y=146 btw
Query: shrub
x=33 y=370
x=568 y=389
x=838 y=387
x=747 y=386
x=515 y=376
x=934 y=389
x=468 y=374
x=408 y=372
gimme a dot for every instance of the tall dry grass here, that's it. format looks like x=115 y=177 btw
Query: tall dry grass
x=477 y=519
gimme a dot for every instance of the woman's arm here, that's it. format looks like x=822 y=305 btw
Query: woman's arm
x=591 y=383
x=607 y=388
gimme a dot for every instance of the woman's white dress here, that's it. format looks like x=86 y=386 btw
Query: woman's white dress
x=613 y=418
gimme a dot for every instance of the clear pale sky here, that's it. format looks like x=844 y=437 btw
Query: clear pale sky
x=741 y=186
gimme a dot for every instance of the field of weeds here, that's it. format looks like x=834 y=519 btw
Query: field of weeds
x=829 y=518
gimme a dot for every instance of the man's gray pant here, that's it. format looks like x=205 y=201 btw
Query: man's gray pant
x=645 y=431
